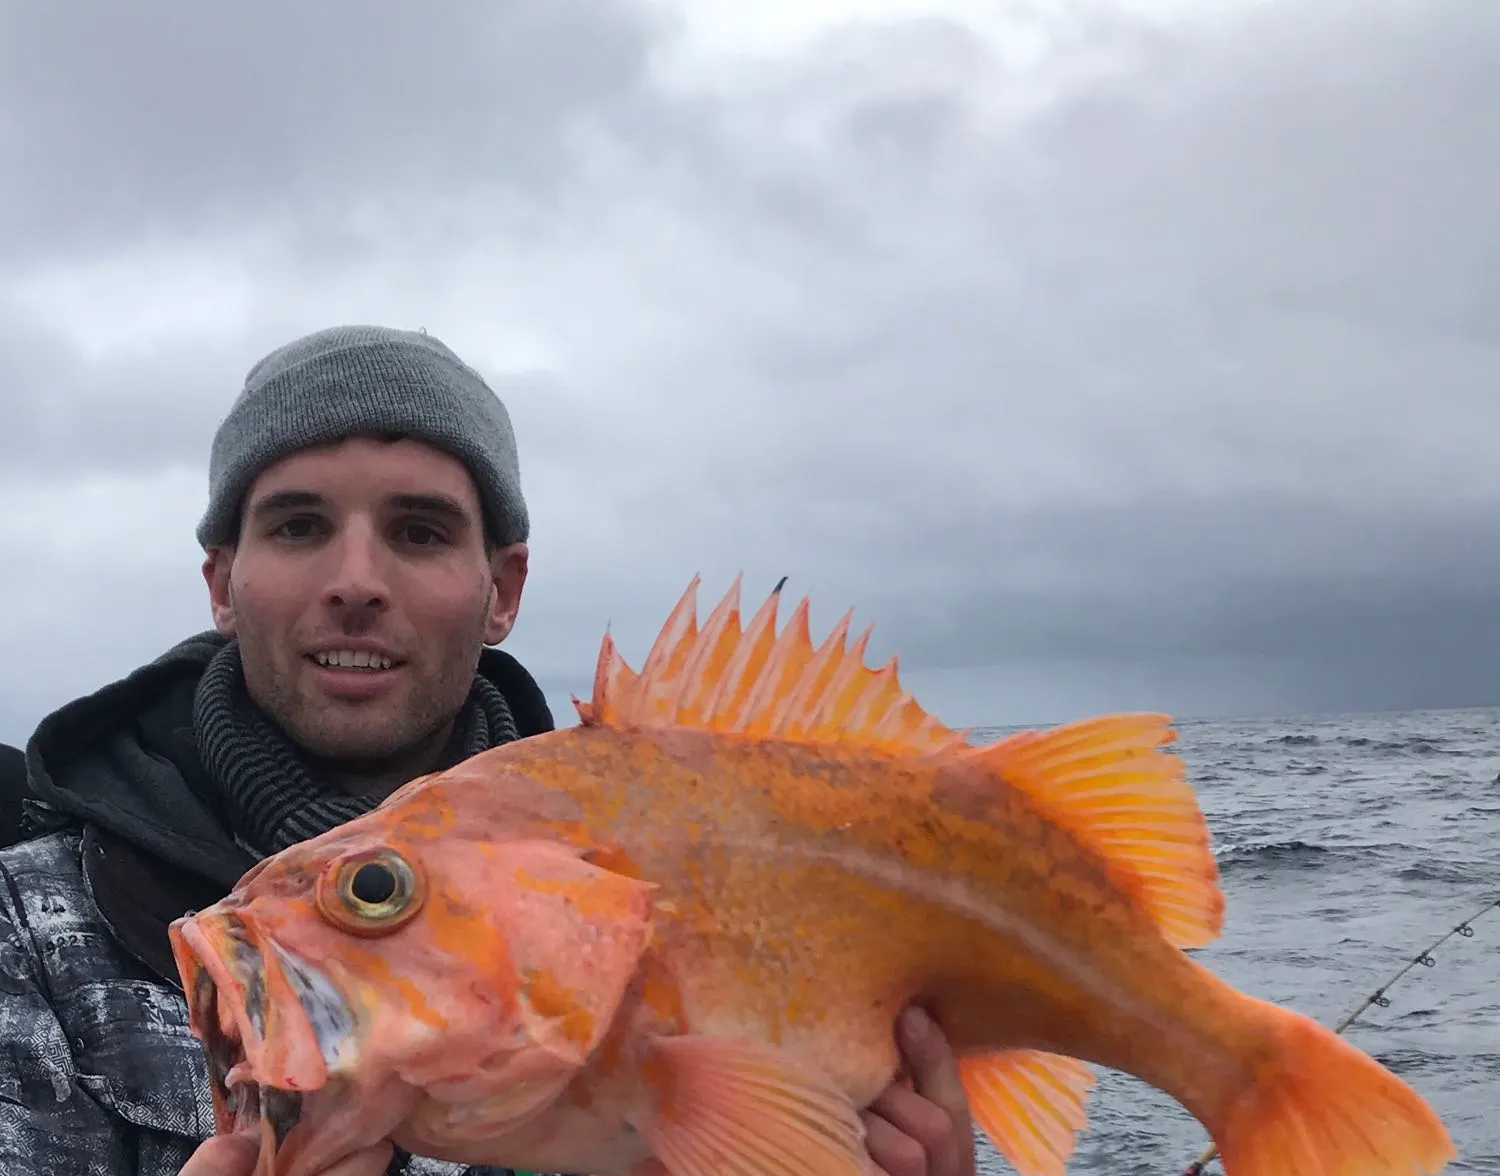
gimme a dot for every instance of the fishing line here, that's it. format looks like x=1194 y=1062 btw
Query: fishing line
x=1378 y=997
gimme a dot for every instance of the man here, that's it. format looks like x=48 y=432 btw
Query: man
x=365 y=545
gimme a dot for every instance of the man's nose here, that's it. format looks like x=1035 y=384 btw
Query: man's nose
x=358 y=580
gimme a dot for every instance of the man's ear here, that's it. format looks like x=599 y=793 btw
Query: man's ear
x=217 y=564
x=508 y=566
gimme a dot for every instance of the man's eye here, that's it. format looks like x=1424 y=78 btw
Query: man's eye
x=297 y=528
x=421 y=534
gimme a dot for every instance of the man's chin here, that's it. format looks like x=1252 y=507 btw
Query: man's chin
x=356 y=736
x=379 y=742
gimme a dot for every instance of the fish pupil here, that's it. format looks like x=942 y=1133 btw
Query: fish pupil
x=373 y=883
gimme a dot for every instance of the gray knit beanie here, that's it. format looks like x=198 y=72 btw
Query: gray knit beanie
x=343 y=381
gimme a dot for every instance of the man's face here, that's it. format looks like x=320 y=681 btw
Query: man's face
x=372 y=553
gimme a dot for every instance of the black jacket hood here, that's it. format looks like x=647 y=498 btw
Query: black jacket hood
x=125 y=761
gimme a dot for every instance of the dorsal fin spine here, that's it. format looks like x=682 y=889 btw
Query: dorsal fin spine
x=791 y=652
x=870 y=705
x=702 y=668
x=726 y=698
x=759 y=682
x=682 y=624
x=848 y=678
x=789 y=716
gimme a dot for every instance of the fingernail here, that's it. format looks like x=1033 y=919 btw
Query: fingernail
x=917 y=1024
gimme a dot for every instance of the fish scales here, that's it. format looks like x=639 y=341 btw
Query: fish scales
x=801 y=864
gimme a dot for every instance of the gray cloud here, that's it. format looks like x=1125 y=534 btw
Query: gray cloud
x=130 y=413
x=1153 y=370
x=172 y=117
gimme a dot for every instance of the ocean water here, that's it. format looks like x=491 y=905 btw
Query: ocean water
x=1346 y=845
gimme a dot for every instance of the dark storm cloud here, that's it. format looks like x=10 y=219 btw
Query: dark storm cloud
x=128 y=132
x=1197 y=364
x=1157 y=373
x=1235 y=580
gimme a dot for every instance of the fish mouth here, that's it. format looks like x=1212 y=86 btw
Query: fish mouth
x=272 y=1028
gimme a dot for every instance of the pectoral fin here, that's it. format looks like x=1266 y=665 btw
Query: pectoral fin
x=727 y=1107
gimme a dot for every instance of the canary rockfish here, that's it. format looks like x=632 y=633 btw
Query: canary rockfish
x=674 y=939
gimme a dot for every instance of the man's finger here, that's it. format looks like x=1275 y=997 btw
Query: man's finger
x=933 y=1066
x=915 y=1115
x=893 y=1151
x=935 y=1077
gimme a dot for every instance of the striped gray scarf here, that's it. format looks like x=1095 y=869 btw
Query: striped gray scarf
x=273 y=799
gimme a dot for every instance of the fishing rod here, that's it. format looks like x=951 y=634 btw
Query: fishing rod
x=1378 y=997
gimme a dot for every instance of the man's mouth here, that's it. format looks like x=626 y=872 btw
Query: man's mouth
x=353 y=659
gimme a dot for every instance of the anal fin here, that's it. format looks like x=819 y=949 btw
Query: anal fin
x=1029 y=1104
x=732 y=1107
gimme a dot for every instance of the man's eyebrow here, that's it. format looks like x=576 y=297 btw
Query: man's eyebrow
x=437 y=504
x=285 y=500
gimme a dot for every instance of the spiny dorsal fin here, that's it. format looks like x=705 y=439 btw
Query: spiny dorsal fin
x=1105 y=779
x=760 y=683
x=1108 y=781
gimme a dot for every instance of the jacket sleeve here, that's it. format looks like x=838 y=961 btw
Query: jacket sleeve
x=48 y=1123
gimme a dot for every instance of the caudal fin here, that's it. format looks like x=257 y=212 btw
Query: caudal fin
x=1322 y=1107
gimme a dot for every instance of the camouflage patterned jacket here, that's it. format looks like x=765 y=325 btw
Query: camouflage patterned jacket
x=98 y=1073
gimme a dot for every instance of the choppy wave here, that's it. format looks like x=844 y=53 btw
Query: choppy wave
x=1467 y=873
x=1290 y=852
x=1415 y=745
x=1294 y=852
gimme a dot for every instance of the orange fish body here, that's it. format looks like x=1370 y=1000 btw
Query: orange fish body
x=673 y=941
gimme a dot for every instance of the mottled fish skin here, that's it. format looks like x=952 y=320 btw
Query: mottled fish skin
x=673 y=940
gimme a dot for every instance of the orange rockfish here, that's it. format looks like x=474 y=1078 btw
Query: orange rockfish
x=673 y=941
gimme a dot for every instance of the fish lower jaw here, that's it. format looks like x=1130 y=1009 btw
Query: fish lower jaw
x=263 y=1109
x=246 y=1104
x=240 y=1101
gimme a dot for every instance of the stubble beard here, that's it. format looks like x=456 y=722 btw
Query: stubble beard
x=367 y=738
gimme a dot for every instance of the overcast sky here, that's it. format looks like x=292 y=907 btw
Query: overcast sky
x=1100 y=354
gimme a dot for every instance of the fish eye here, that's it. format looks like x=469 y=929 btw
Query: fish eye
x=373 y=883
x=370 y=894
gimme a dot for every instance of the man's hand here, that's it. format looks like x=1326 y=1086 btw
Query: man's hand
x=235 y=1155
x=922 y=1128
